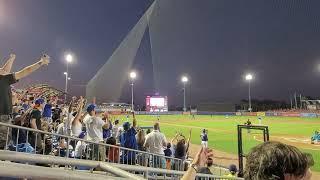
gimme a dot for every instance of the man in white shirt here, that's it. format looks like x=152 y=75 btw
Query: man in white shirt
x=155 y=143
x=94 y=125
x=115 y=129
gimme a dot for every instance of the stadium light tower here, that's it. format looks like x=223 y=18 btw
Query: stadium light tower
x=133 y=76
x=184 y=80
x=68 y=59
x=249 y=78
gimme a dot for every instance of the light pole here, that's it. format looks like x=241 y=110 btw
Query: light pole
x=68 y=59
x=132 y=76
x=184 y=80
x=249 y=78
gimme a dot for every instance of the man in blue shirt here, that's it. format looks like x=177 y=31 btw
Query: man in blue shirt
x=128 y=140
x=47 y=112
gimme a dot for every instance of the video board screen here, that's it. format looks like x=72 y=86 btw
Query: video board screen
x=156 y=103
x=159 y=102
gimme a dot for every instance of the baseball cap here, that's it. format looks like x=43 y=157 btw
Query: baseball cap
x=126 y=126
x=91 y=107
x=39 y=101
x=233 y=168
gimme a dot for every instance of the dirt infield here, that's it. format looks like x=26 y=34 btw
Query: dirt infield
x=298 y=141
x=221 y=158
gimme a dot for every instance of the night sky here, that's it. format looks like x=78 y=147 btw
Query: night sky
x=215 y=42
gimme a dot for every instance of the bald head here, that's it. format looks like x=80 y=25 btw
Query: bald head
x=156 y=126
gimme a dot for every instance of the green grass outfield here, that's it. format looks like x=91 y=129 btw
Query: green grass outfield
x=223 y=131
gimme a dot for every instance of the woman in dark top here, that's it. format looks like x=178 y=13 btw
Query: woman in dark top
x=181 y=148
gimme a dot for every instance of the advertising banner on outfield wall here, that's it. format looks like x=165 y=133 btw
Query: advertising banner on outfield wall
x=261 y=114
x=160 y=113
x=289 y=114
x=308 y=115
x=238 y=114
x=269 y=113
x=249 y=114
x=216 y=113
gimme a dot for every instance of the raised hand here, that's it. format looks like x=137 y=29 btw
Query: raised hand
x=202 y=156
x=12 y=55
x=45 y=59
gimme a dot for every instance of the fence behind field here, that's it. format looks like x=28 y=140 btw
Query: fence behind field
x=260 y=114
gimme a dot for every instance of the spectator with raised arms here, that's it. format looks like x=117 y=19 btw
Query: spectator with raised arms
x=6 y=80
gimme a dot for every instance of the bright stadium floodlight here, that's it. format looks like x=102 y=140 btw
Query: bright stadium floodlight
x=65 y=73
x=184 y=80
x=69 y=78
x=69 y=58
x=249 y=78
x=133 y=76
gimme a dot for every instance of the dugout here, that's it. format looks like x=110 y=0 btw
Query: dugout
x=216 y=107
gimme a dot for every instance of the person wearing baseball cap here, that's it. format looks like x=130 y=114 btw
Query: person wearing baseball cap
x=39 y=101
x=90 y=108
x=128 y=140
x=94 y=126
x=35 y=123
x=233 y=170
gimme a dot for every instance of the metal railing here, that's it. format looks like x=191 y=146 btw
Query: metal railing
x=50 y=160
x=25 y=171
x=23 y=139
x=72 y=173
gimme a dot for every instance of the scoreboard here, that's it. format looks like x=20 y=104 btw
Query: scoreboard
x=156 y=103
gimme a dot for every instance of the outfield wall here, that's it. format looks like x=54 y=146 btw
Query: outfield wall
x=281 y=114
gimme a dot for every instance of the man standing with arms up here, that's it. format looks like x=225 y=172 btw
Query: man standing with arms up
x=155 y=143
x=94 y=127
x=7 y=79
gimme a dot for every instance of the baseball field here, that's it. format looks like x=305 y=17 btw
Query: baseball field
x=222 y=132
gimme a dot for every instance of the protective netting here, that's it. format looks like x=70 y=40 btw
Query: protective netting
x=107 y=84
x=215 y=43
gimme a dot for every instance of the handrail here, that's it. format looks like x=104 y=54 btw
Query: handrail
x=115 y=168
x=86 y=141
x=17 y=170
x=37 y=158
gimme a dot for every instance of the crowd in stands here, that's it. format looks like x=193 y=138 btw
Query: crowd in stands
x=106 y=139
x=87 y=123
